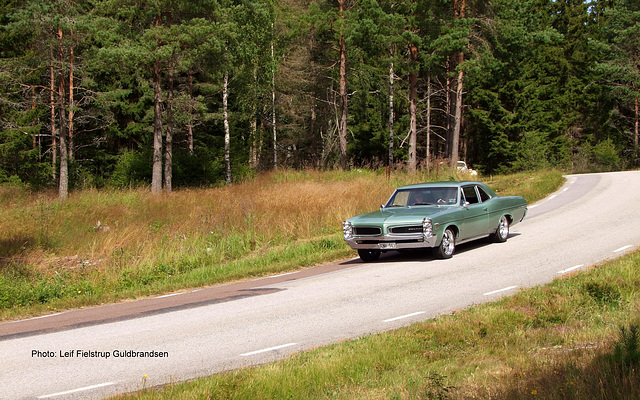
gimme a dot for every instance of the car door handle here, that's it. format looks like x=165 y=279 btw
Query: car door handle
x=486 y=209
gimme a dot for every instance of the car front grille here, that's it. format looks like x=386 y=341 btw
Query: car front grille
x=367 y=231
x=404 y=230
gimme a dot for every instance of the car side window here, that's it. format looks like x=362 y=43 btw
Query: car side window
x=484 y=196
x=470 y=194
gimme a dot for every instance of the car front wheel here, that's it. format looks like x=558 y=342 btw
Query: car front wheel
x=502 y=232
x=447 y=245
x=369 y=255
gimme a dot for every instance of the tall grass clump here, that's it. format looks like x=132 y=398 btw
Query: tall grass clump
x=109 y=244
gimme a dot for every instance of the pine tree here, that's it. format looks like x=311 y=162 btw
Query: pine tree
x=620 y=71
x=51 y=30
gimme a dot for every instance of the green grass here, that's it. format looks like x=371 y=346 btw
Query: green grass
x=575 y=338
x=108 y=245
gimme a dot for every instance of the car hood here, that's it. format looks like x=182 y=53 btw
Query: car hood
x=399 y=216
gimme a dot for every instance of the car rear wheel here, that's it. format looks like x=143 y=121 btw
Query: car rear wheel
x=502 y=232
x=447 y=245
x=369 y=255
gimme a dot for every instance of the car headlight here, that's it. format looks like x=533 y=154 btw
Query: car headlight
x=347 y=230
x=427 y=228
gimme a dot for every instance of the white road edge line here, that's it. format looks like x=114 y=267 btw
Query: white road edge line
x=168 y=295
x=622 y=248
x=404 y=316
x=285 y=274
x=40 y=317
x=100 y=385
x=564 y=271
x=282 y=346
x=500 y=290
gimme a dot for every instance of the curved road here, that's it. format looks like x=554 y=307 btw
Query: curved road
x=100 y=351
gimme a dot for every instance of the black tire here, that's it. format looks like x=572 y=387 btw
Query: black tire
x=369 y=255
x=502 y=231
x=447 y=246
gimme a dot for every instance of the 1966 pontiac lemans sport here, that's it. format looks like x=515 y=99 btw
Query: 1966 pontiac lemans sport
x=436 y=215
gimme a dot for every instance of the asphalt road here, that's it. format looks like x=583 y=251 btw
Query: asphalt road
x=100 y=351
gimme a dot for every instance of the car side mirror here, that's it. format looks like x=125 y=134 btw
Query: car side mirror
x=466 y=204
x=381 y=207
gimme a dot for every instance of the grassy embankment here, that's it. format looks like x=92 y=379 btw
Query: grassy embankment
x=109 y=245
x=576 y=338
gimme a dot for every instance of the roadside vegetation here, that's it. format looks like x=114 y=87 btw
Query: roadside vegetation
x=108 y=245
x=575 y=338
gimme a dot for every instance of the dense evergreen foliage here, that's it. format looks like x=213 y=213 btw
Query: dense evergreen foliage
x=185 y=93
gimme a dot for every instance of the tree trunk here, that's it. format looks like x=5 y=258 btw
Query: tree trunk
x=312 y=130
x=391 y=115
x=314 y=117
x=253 y=125
x=156 y=177
x=457 y=127
x=342 y=131
x=636 y=130
x=191 y=116
x=71 y=99
x=52 y=105
x=413 y=110
x=168 y=148
x=35 y=140
x=63 y=185
x=428 y=156
x=450 y=111
x=273 y=106
x=227 y=134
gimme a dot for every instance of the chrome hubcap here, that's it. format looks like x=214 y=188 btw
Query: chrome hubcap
x=504 y=227
x=448 y=243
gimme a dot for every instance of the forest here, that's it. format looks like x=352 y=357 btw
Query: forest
x=170 y=94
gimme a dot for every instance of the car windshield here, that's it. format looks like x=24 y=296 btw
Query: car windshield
x=424 y=197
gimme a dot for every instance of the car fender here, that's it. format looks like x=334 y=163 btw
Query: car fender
x=454 y=228
x=509 y=218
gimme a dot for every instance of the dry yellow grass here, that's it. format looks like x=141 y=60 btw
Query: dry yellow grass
x=135 y=242
x=95 y=225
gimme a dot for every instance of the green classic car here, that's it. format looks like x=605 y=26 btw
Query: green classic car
x=436 y=215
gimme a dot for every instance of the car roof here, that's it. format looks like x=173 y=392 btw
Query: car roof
x=427 y=185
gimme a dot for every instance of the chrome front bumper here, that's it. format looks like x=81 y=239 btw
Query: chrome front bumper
x=391 y=242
